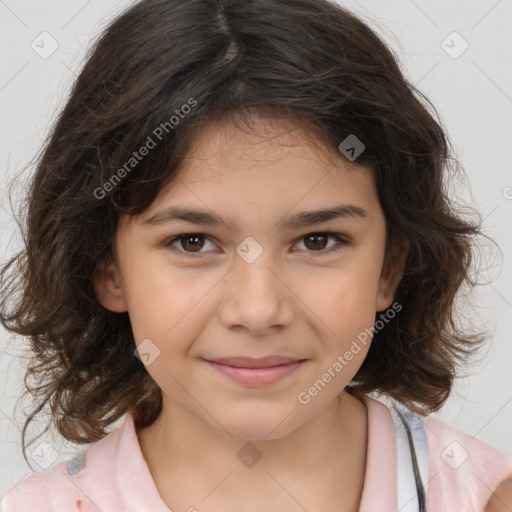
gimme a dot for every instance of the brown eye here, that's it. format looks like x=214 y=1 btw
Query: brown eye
x=192 y=242
x=188 y=243
x=318 y=241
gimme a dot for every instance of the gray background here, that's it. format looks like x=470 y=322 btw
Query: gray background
x=472 y=92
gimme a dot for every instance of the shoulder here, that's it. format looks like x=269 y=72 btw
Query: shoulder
x=34 y=490
x=65 y=485
x=463 y=469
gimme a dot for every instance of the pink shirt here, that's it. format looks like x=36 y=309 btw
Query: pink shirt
x=116 y=477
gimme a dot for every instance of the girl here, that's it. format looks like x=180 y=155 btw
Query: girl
x=238 y=231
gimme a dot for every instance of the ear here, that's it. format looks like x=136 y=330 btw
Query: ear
x=108 y=288
x=392 y=270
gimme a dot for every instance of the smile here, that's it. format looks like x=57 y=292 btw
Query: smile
x=256 y=377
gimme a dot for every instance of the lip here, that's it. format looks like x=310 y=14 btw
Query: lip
x=256 y=372
x=252 y=362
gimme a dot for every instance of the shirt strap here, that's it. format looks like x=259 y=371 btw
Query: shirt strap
x=412 y=459
x=77 y=463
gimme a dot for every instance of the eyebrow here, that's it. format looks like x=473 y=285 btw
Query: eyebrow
x=178 y=213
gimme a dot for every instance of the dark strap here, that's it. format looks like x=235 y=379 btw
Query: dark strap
x=422 y=500
x=412 y=459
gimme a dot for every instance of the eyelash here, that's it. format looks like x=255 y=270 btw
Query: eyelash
x=342 y=242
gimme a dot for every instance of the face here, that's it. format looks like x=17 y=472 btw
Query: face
x=253 y=277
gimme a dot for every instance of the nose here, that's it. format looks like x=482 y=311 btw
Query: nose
x=256 y=297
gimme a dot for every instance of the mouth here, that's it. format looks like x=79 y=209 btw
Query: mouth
x=250 y=362
x=256 y=372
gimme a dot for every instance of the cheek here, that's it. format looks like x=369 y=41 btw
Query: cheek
x=167 y=305
x=343 y=301
x=349 y=290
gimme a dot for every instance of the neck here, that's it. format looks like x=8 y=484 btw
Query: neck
x=185 y=456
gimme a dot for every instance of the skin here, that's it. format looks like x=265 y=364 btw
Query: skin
x=295 y=299
x=501 y=499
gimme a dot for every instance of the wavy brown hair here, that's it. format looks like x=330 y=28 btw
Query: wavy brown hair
x=307 y=61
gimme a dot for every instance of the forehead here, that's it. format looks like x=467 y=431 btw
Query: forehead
x=260 y=141
x=269 y=169
x=268 y=153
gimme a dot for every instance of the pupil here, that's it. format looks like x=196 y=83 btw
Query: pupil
x=191 y=237
x=316 y=237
